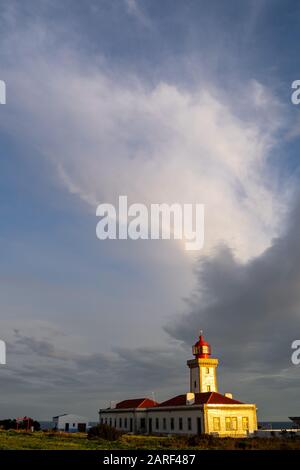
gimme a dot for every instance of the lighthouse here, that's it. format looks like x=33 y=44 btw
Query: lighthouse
x=203 y=376
x=200 y=410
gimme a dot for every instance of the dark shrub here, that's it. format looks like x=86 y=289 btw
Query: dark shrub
x=104 y=431
x=26 y=424
x=36 y=425
x=243 y=445
x=8 y=424
x=202 y=440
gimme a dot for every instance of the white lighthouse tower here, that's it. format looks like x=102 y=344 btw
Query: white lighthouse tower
x=203 y=376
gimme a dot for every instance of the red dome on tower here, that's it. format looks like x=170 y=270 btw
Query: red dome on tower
x=201 y=349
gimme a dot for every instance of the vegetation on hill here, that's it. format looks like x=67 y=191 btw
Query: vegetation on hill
x=104 y=431
x=22 y=440
x=24 y=423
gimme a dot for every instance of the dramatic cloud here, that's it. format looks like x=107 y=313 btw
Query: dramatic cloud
x=251 y=311
x=61 y=378
x=109 y=132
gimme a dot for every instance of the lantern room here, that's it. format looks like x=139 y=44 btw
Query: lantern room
x=202 y=349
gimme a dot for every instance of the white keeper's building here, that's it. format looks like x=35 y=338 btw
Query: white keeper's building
x=201 y=410
x=70 y=423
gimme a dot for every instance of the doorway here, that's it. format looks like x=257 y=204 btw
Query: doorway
x=199 y=426
x=81 y=427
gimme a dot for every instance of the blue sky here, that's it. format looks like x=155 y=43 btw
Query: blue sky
x=165 y=101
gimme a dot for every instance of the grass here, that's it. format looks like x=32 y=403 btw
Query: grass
x=22 y=440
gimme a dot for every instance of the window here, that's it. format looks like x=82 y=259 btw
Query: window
x=216 y=423
x=110 y=422
x=125 y=423
x=172 y=424
x=115 y=422
x=74 y=425
x=120 y=422
x=164 y=424
x=228 y=424
x=207 y=370
x=143 y=423
x=231 y=424
x=156 y=423
x=195 y=384
x=180 y=424
x=245 y=423
x=208 y=388
x=189 y=424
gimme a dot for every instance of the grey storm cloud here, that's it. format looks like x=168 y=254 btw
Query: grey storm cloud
x=37 y=366
x=122 y=364
x=250 y=311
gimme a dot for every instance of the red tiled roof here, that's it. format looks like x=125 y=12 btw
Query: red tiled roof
x=137 y=403
x=202 y=398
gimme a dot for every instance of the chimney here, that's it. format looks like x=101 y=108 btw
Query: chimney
x=190 y=398
x=228 y=395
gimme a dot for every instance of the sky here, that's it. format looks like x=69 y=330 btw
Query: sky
x=162 y=101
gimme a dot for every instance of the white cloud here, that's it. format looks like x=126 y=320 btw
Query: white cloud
x=155 y=145
x=135 y=10
x=110 y=134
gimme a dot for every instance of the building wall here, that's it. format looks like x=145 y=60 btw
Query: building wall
x=129 y=421
x=181 y=421
x=222 y=420
x=73 y=421
x=203 y=377
x=162 y=421
x=230 y=420
x=195 y=379
x=208 y=379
